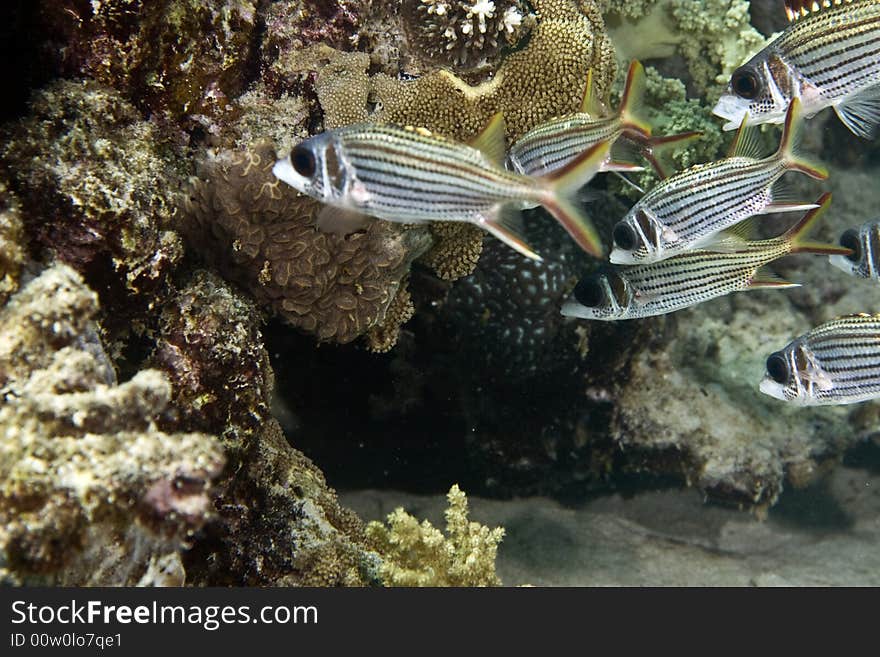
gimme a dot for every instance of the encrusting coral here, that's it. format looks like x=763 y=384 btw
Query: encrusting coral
x=92 y=491
x=11 y=242
x=262 y=233
x=417 y=554
x=96 y=187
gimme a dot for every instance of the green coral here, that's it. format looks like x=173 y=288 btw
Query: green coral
x=418 y=554
x=714 y=36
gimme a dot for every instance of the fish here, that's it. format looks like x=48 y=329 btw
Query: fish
x=408 y=174
x=828 y=56
x=837 y=362
x=689 y=209
x=616 y=293
x=553 y=144
x=864 y=242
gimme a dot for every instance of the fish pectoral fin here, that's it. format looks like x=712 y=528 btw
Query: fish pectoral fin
x=766 y=278
x=505 y=223
x=341 y=221
x=861 y=112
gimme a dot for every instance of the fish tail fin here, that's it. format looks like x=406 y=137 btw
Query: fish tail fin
x=560 y=188
x=658 y=150
x=796 y=235
x=789 y=147
x=633 y=101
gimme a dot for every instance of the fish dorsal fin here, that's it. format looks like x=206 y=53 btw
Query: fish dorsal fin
x=492 y=141
x=745 y=231
x=746 y=142
x=796 y=9
x=588 y=101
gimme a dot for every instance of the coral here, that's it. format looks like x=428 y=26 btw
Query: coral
x=209 y=343
x=466 y=34
x=12 y=252
x=96 y=187
x=714 y=37
x=183 y=57
x=280 y=525
x=417 y=554
x=262 y=234
x=543 y=79
x=456 y=251
x=282 y=120
x=383 y=337
x=93 y=492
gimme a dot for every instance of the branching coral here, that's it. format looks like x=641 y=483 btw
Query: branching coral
x=417 y=554
x=464 y=33
x=714 y=36
x=92 y=492
x=95 y=187
x=262 y=233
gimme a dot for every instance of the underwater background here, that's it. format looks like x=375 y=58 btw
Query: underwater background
x=201 y=388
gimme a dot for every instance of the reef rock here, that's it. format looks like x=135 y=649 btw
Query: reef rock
x=93 y=492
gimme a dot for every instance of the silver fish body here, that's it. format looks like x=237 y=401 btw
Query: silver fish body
x=687 y=210
x=410 y=175
x=828 y=57
x=864 y=242
x=692 y=277
x=835 y=363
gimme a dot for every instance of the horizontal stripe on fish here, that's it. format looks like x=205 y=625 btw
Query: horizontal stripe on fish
x=410 y=175
x=690 y=208
x=828 y=58
x=835 y=363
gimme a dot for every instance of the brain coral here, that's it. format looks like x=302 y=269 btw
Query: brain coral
x=262 y=233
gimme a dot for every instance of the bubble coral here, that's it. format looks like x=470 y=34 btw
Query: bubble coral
x=464 y=33
x=262 y=234
x=417 y=554
x=92 y=491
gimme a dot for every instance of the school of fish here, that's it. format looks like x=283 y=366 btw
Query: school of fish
x=690 y=238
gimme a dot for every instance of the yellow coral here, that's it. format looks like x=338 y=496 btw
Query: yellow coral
x=418 y=554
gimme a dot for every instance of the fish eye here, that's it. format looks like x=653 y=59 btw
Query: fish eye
x=589 y=292
x=745 y=83
x=777 y=367
x=850 y=240
x=303 y=161
x=625 y=236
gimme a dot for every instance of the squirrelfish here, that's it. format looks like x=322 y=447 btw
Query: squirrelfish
x=864 y=242
x=411 y=175
x=835 y=363
x=688 y=210
x=694 y=276
x=553 y=144
x=828 y=56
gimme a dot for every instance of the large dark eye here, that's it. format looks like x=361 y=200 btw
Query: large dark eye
x=303 y=161
x=850 y=240
x=589 y=292
x=745 y=83
x=625 y=236
x=777 y=367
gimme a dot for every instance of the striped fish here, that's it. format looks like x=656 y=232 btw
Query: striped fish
x=689 y=209
x=829 y=56
x=835 y=363
x=864 y=242
x=410 y=175
x=553 y=144
x=694 y=276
